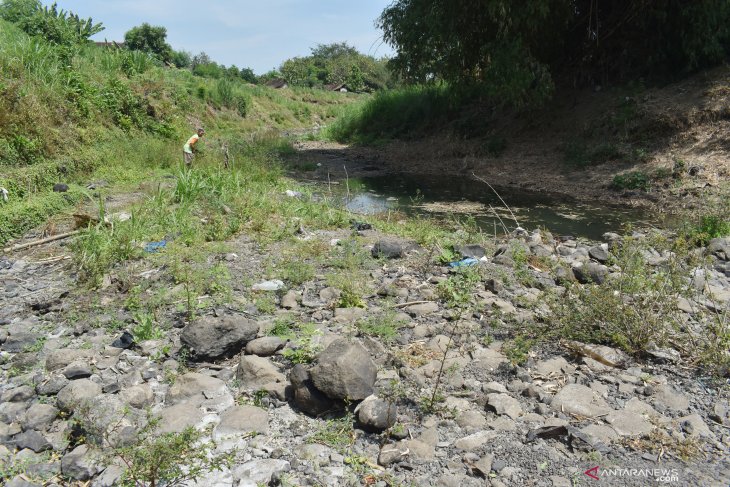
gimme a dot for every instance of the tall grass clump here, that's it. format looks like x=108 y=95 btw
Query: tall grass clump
x=396 y=113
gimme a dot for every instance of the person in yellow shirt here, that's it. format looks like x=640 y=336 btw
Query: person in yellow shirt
x=188 y=154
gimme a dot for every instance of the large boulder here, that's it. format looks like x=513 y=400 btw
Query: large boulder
x=344 y=371
x=306 y=397
x=211 y=338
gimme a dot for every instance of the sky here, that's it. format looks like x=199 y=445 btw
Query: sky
x=259 y=35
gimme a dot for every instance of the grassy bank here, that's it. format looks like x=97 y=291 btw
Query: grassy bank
x=73 y=115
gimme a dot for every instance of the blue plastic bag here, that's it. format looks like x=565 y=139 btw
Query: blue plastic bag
x=466 y=262
x=153 y=247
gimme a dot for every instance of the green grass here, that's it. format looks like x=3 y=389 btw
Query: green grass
x=118 y=116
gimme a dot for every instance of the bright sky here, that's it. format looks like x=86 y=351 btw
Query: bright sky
x=255 y=34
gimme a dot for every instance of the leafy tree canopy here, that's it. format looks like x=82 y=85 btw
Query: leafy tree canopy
x=149 y=39
x=55 y=25
x=337 y=63
x=515 y=49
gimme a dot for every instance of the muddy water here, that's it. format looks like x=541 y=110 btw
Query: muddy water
x=449 y=197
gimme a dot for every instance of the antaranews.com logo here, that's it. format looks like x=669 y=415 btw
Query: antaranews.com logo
x=658 y=474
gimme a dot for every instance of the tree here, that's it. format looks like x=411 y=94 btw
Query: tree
x=514 y=50
x=149 y=39
x=248 y=75
x=16 y=10
x=181 y=59
x=55 y=25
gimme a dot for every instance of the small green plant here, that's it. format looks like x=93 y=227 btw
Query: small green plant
x=296 y=272
x=284 y=327
x=709 y=227
x=631 y=180
x=306 y=349
x=383 y=326
x=517 y=350
x=146 y=328
x=336 y=433
x=266 y=304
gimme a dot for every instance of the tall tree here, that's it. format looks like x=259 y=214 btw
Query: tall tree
x=149 y=39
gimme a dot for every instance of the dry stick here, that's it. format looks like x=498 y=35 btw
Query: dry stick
x=498 y=196
x=403 y=305
x=443 y=361
x=347 y=181
x=40 y=242
x=501 y=222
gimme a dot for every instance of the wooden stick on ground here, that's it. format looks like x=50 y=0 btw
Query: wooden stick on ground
x=40 y=242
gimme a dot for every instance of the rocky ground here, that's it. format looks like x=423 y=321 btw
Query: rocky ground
x=303 y=392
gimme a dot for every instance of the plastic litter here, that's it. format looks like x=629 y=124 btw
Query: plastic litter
x=153 y=247
x=293 y=194
x=465 y=263
x=126 y=340
x=360 y=226
x=273 y=285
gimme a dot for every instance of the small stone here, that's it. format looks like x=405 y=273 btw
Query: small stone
x=195 y=388
x=241 y=420
x=256 y=372
x=579 y=400
x=265 y=346
x=504 y=404
x=590 y=272
x=627 y=423
x=375 y=415
x=670 y=398
x=475 y=441
x=176 y=418
x=77 y=370
x=388 y=249
x=259 y=472
x=138 y=397
x=290 y=300
x=599 y=253
x=694 y=425
x=33 y=440
x=18 y=394
x=471 y=419
x=60 y=188
x=423 y=308
x=39 y=417
x=76 y=393
x=79 y=464
x=306 y=396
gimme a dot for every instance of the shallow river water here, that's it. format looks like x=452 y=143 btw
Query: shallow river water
x=449 y=197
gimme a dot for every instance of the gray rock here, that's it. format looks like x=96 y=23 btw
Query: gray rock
x=39 y=417
x=138 y=397
x=212 y=338
x=195 y=388
x=344 y=370
x=18 y=394
x=77 y=370
x=579 y=400
x=471 y=419
x=306 y=396
x=670 y=398
x=720 y=248
x=52 y=385
x=290 y=300
x=21 y=482
x=393 y=453
x=264 y=346
x=590 y=272
x=599 y=253
x=627 y=423
x=255 y=372
x=388 y=248
x=504 y=404
x=80 y=464
x=19 y=341
x=176 y=418
x=475 y=440
x=242 y=420
x=484 y=465
x=259 y=472
x=423 y=309
x=33 y=440
x=694 y=425
x=76 y=393
x=375 y=415
x=60 y=358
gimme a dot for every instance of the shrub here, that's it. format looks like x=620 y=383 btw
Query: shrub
x=631 y=180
